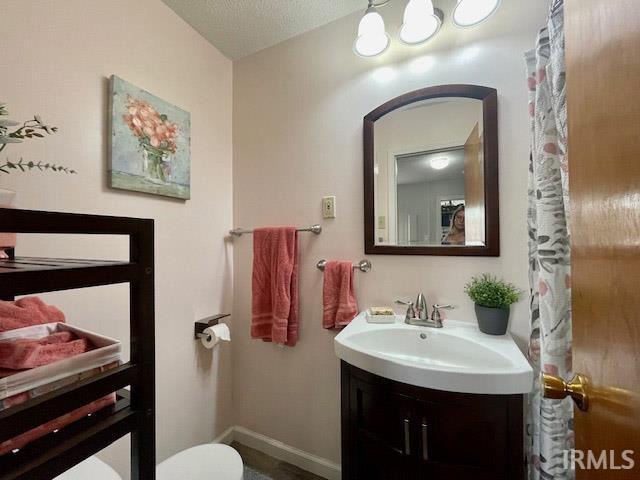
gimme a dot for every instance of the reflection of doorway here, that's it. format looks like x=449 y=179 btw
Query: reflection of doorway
x=447 y=208
x=421 y=178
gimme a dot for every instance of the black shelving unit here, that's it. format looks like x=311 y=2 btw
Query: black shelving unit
x=134 y=411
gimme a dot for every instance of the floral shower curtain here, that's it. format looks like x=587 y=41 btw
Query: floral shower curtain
x=550 y=422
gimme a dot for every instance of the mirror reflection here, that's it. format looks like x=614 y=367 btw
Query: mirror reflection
x=429 y=167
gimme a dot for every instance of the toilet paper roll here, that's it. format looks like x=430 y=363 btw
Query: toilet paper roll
x=212 y=335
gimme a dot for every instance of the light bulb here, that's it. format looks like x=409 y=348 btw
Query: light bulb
x=439 y=163
x=421 y=22
x=472 y=12
x=372 y=39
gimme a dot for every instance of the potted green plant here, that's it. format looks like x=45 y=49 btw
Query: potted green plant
x=492 y=297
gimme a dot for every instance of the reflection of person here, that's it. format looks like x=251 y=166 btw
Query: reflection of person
x=455 y=235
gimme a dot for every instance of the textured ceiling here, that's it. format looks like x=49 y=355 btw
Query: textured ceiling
x=241 y=27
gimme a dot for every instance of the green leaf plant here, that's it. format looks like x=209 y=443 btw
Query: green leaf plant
x=33 y=128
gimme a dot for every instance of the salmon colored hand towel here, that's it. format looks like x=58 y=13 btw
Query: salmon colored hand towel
x=275 y=285
x=22 y=354
x=26 y=312
x=338 y=297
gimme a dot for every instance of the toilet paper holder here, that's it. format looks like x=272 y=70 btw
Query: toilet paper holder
x=200 y=325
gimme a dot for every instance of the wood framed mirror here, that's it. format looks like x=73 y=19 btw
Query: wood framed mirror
x=431 y=173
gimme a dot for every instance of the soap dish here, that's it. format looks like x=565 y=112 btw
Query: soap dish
x=373 y=316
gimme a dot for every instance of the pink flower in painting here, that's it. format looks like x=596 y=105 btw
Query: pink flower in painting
x=550 y=369
x=149 y=126
x=567 y=281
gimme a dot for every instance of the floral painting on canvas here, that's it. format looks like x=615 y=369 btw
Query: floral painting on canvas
x=150 y=143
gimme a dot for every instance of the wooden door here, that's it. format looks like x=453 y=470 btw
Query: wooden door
x=474 y=188
x=603 y=101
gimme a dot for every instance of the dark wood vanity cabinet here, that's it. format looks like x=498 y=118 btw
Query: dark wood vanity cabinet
x=395 y=431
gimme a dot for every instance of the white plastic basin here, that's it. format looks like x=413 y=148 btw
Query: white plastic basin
x=455 y=358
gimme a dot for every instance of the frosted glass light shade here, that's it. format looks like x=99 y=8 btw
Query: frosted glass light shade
x=439 y=163
x=421 y=22
x=372 y=38
x=472 y=12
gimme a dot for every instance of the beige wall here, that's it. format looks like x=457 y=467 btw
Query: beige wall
x=298 y=111
x=56 y=56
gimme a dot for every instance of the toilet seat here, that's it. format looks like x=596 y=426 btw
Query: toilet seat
x=92 y=468
x=203 y=462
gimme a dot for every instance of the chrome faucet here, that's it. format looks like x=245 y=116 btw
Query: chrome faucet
x=418 y=313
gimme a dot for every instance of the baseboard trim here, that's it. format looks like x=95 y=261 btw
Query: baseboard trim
x=307 y=461
x=225 y=437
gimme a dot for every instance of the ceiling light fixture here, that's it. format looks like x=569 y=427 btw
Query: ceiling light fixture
x=372 y=38
x=469 y=13
x=439 y=163
x=421 y=22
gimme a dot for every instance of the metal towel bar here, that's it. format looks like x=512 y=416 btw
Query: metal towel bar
x=238 y=232
x=362 y=265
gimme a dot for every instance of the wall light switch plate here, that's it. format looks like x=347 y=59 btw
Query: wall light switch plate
x=329 y=207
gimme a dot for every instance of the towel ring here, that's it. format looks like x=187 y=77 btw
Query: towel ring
x=363 y=265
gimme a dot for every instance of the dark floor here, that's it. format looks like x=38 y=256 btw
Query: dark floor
x=270 y=467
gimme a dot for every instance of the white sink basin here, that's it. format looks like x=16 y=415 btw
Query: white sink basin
x=455 y=358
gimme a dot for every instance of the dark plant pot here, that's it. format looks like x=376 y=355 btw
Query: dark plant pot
x=493 y=321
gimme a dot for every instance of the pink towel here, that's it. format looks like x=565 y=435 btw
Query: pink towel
x=275 y=285
x=26 y=312
x=56 y=424
x=23 y=354
x=338 y=297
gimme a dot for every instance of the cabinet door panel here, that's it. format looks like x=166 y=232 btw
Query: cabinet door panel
x=384 y=432
x=383 y=414
x=435 y=471
x=376 y=461
x=463 y=435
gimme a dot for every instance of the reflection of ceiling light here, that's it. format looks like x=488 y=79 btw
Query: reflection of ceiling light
x=472 y=12
x=421 y=22
x=372 y=38
x=439 y=163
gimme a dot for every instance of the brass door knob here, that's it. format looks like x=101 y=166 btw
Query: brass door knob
x=556 y=387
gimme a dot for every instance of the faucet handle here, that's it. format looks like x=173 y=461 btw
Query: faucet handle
x=435 y=315
x=411 y=312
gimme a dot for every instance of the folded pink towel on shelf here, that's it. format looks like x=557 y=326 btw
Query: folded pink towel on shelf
x=275 y=285
x=338 y=297
x=56 y=424
x=23 y=354
x=26 y=312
